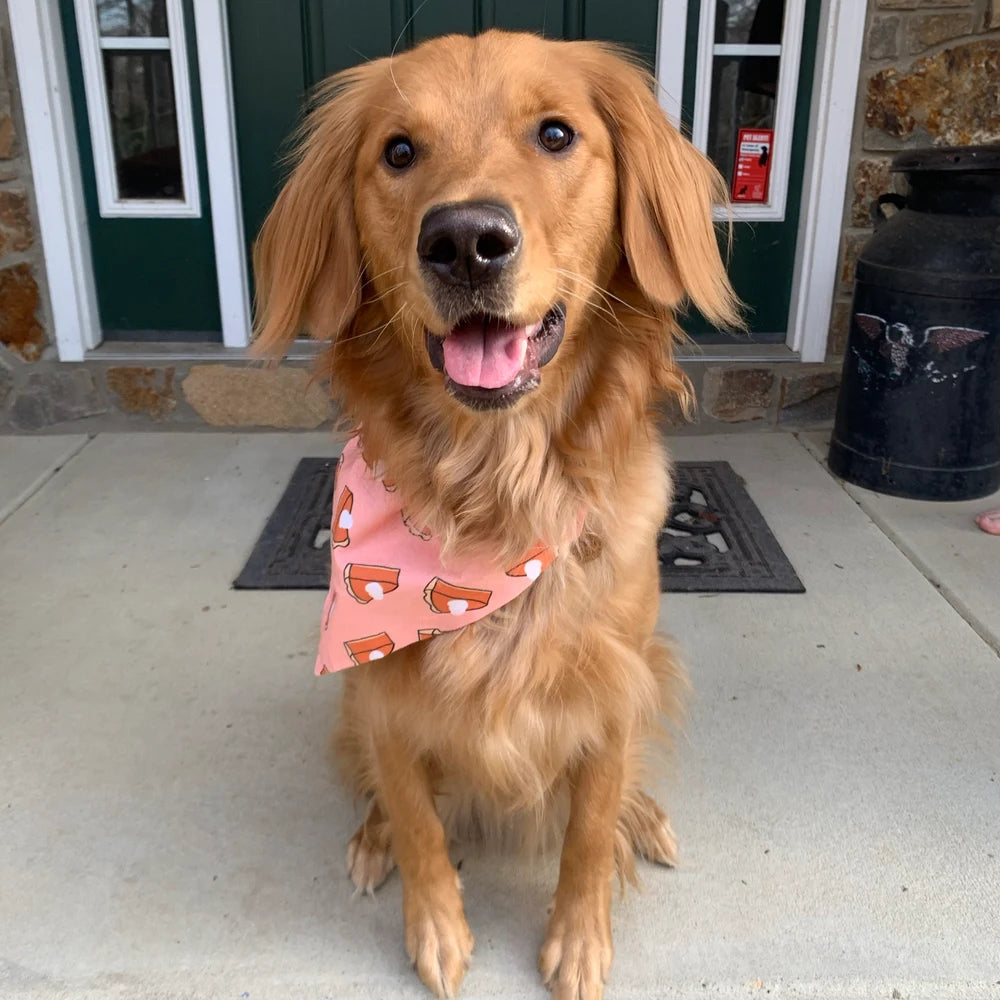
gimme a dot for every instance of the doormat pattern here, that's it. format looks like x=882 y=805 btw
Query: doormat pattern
x=714 y=540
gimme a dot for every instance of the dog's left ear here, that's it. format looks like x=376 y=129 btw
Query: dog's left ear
x=666 y=192
x=307 y=259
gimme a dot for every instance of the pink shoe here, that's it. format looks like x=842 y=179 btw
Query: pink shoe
x=989 y=521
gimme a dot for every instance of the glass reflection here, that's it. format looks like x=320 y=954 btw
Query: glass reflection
x=743 y=96
x=749 y=22
x=133 y=18
x=143 y=114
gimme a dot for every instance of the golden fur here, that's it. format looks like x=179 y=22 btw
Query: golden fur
x=550 y=701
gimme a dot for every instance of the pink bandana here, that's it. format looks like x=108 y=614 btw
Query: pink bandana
x=388 y=585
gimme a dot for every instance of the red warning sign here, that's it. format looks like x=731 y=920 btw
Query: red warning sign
x=754 y=149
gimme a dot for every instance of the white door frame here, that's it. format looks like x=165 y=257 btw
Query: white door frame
x=219 y=116
x=55 y=168
x=40 y=54
x=828 y=150
x=828 y=154
x=55 y=161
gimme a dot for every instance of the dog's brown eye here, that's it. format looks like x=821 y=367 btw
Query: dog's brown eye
x=399 y=152
x=555 y=136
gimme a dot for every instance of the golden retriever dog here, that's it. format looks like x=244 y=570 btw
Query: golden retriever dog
x=495 y=235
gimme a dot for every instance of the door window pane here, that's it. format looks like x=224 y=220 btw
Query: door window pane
x=749 y=22
x=743 y=96
x=143 y=114
x=132 y=18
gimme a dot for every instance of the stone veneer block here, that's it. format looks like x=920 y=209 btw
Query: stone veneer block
x=840 y=325
x=871 y=178
x=225 y=396
x=809 y=396
x=137 y=389
x=6 y=384
x=733 y=394
x=808 y=382
x=882 y=38
x=951 y=96
x=52 y=396
x=16 y=232
x=19 y=326
x=927 y=30
x=853 y=244
x=8 y=137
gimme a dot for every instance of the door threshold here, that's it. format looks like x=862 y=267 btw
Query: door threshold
x=137 y=352
x=695 y=353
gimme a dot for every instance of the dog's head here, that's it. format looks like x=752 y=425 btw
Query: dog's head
x=459 y=215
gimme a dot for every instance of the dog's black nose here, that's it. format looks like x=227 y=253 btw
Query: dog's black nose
x=468 y=243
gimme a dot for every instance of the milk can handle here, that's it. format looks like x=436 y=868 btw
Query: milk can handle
x=879 y=216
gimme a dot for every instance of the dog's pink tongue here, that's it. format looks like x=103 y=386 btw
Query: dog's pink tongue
x=488 y=356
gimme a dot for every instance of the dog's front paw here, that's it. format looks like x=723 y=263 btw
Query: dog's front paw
x=369 y=858
x=369 y=854
x=438 y=939
x=576 y=957
x=648 y=828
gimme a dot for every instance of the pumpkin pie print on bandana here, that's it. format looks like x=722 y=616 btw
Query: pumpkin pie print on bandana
x=389 y=586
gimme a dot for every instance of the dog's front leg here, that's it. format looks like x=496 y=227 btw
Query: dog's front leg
x=577 y=953
x=438 y=939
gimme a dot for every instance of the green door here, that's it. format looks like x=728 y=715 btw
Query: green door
x=137 y=112
x=281 y=49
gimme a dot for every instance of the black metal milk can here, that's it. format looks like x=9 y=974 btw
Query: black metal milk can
x=919 y=408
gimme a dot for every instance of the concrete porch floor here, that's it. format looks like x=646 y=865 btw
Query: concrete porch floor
x=169 y=826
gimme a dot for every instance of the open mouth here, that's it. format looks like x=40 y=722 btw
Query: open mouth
x=489 y=363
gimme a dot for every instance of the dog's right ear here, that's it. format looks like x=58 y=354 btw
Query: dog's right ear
x=307 y=259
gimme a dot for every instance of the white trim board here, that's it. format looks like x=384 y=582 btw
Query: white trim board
x=55 y=163
x=831 y=124
x=134 y=43
x=219 y=117
x=671 y=35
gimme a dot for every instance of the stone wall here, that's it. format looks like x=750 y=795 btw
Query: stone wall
x=122 y=395
x=23 y=304
x=930 y=76
x=185 y=395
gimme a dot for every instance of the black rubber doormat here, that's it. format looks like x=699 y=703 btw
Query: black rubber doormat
x=714 y=540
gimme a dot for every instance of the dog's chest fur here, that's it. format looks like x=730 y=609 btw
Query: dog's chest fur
x=524 y=682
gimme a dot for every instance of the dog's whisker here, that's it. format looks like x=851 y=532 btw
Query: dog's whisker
x=388 y=270
x=594 y=287
x=375 y=329
x=605 y=310
x=395 y=46
x=392 y=288
x=382 y=274
x=355 y=289
x=378 y=336
x=602 y=291
x=385 y=326
x=605 y=305
x=599 y=306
